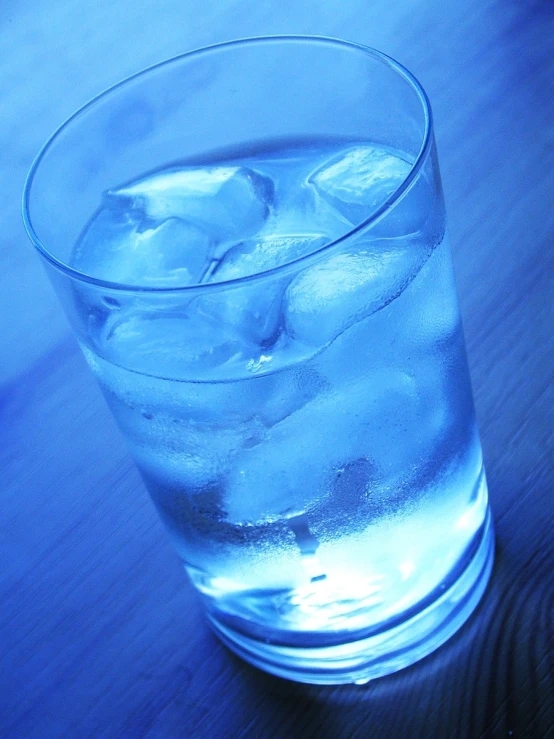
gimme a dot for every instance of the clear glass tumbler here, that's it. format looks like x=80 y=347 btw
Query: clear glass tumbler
x=249 y=242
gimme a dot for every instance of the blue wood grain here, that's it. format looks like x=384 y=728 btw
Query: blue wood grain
x=100 y=635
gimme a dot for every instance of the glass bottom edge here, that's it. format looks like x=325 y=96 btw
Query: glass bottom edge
x=380 y=654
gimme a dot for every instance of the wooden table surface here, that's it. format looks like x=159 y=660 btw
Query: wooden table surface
x=100 y=633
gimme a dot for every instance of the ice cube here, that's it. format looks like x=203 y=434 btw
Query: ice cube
x=185 y=346
x=120 y=247
x=253 y=309
x=291 y=391
x=228 y=202
x=350 y=437
x=264 y=252
x=281 y=476
x=258 y=403
x=326 y=299
x=359 y=180
x=187 y=455
x=297 y=206
x=250 y=311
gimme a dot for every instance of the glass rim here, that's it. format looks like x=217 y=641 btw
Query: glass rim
x=375 y=216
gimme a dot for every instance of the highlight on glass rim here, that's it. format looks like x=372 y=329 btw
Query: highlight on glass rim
x=257 y=268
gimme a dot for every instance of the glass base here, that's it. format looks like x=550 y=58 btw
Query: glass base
x=381 y=653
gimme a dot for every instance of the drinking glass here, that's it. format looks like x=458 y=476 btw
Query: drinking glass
x=249 y=241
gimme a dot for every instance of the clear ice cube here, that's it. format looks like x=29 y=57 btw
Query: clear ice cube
x=184 y=346
x=326 y=299
x=229 y=202
x=264 y=252
x=283 y=475
x=188 y=455
x=297 y=207
x=245 y=310
x=255 y=310
x=358 y=180
x=342 y=438
x=121 y=246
